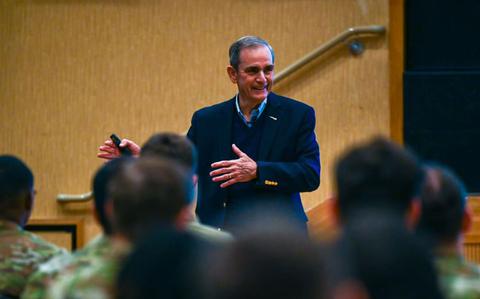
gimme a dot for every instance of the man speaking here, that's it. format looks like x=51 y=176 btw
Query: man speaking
x=257 y=147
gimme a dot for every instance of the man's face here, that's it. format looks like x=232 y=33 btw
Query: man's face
x=254 y=76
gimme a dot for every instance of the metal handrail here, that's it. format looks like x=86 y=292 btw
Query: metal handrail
x=342 y=37
x=75 y=197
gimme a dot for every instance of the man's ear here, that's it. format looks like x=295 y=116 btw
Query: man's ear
x=95 y=214
x=26 y=208
x=194 y=180
x=413 y=213
x=183 y=217
x=467 y=220
x=29 y=201
x=109 y=211
x=232 y=74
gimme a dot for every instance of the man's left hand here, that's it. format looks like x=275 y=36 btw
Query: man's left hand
x=243 y=169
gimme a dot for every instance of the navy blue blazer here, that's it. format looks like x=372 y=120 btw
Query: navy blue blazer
x=288 y=158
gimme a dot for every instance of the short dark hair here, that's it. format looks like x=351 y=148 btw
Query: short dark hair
x=386 y=258
x=100 y=182
x=246 y=42
x=443 y=198
x=377 y=174
x=164 y=265
x=148 y=192
x=16 y=179
x=267 y=265
x=172 y=146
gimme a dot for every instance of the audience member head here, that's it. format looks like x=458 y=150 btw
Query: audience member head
x=264 y=217
x=177 y=148
x=444 y=211
x=149 y=192
x=171 y=146
x=246 y=42
x=16 y=190
x=100 y=182
x=378 y=174
x=268 y=263
x=385 y=258
x=162 y=266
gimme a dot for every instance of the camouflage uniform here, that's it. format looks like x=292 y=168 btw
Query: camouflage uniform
x=20 y=254
x=95 y=281
x=39 y=281
x=458 y=278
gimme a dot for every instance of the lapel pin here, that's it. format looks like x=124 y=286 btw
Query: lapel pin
x=274 y=118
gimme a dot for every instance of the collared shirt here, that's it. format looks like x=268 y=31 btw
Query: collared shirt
x=254 y=115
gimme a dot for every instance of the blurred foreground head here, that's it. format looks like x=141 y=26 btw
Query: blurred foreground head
x=150 y=192
x=163 y=266
x=380 y=254
x=171 y=146
x=16 y=190
x=267 y=262
x=101 y=179
x=445 y=215
x=379 y=175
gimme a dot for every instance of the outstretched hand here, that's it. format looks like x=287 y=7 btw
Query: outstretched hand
x=243 y=169
x=109 y=151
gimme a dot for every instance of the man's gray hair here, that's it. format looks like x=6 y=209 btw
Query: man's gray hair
x=246 y=42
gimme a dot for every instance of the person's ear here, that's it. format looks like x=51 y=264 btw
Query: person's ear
x=29 y=201
x=26 y=206
x=183 y=217
x=95 y=214
x=467 y=220
x=109 y=211
x=413 y=213
x=194 y=180
x=232 y=74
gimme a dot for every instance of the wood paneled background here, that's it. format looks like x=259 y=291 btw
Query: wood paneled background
x=74 y=71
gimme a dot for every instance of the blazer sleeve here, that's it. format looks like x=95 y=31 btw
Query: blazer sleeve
x=191 y=134
x=301 y=175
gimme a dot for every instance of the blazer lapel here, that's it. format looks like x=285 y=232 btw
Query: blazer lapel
x=224 y=130
x=273 y=117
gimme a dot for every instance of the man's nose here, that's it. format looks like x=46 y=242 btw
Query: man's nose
x=261 y=77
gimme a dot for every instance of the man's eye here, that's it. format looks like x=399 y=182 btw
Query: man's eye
x=268 y=70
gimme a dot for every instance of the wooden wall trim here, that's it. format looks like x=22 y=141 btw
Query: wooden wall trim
x=77 y=223
x=396 y=63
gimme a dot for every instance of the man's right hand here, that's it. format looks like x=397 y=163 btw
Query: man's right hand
x=109 y=151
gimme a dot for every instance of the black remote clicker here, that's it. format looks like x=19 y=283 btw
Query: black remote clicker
x=123 y=150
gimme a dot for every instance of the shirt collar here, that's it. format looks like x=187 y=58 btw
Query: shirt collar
x=258 y=111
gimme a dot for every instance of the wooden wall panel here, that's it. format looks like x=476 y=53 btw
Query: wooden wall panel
x=66 y=233
x=396 y=61
x=61 y=239
x=472 y=251
x=472 y=238
x=75 y=71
